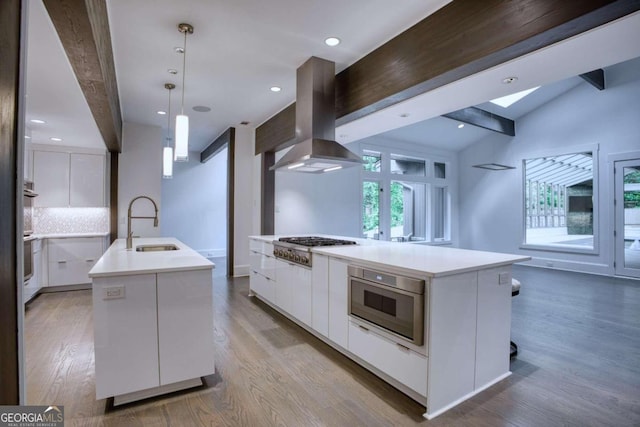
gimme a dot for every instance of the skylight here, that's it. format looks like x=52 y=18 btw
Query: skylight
x=507 y=101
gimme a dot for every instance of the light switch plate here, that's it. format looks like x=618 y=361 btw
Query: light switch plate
x=504 y=279
x=113 y=292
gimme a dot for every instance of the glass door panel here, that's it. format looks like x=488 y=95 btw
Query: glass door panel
x=408 y=211
x=627 y=182
x=371 y=210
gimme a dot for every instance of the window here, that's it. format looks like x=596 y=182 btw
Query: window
x=404 y=197
x=558 y=197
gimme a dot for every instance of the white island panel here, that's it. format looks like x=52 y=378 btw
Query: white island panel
x=125 y=334
x=185 y=325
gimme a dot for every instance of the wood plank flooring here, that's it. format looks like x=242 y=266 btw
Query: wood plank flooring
x=578 y=365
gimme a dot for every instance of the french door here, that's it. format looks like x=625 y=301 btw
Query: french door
x=627 y=217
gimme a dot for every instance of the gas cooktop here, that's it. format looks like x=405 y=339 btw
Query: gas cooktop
x=298 y=249
x=315 y=241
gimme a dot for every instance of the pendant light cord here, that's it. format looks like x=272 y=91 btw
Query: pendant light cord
x=184 y=67
x=169 y=120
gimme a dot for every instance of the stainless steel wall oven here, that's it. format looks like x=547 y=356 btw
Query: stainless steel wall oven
x=396 y=304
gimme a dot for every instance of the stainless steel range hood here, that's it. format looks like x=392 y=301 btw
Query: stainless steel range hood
x=316 y=151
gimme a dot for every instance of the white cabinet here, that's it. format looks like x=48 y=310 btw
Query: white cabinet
x=51 y=179
x=399 y=362
x=64 y=179
x=152 y=330
x=301 y=294
x=338 y=300
x=70 y=259
x=86 y=180
x=262 y=270
x=320 y=291
x=285 y=276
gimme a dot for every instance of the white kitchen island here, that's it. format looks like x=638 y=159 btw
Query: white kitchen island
x=153 y=320
x=467 y=313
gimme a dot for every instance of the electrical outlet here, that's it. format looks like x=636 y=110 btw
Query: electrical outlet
x=504 y=279
x=113 y=292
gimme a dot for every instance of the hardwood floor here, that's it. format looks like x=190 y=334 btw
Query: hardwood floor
x=578 y=364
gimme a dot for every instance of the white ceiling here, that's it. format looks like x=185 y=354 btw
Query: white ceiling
x=239 y=49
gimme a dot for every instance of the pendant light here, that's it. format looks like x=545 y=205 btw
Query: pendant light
x=182 y=121
x=167 y=151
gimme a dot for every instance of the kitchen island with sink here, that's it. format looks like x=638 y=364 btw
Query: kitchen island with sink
x=432 y=321
x=153 y=319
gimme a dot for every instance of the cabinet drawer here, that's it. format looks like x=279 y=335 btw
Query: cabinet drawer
x=75 y=248
x=263 y=286
x=406 y=366
x=70 y=272
x=263 y=264
x=259 y=246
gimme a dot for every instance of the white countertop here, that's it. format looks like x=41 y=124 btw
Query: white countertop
x=69 y=235
x=118 y=261
x=418 y=259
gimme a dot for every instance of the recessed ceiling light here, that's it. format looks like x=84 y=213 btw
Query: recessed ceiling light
x=179 y=49
x=461 y=125
x=275 y=88
x=162 y=113
x=509 y=80
x=201 y=108
x=53 y=138
x=37 y=121
x=332 y=41
x=172 y=71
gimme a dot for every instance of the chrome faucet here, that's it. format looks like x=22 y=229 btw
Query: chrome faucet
x=129 y=217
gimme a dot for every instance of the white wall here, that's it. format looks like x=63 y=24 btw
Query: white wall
x=194 y=208
x=139 y=173
x=244 y=198
x=491 y=211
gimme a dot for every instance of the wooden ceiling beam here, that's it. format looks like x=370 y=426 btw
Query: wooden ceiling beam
x=83 y=28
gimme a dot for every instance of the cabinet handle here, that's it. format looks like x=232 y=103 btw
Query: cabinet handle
x=89 y=260
x=403 y=347
x=62 y=261
x=363 y=328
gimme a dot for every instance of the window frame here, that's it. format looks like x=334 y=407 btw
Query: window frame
x=595 y=250
x=385 y=177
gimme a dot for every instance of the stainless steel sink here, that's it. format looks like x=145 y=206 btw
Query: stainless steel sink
x=157 y=248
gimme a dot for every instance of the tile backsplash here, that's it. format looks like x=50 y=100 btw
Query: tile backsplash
x=70 y=220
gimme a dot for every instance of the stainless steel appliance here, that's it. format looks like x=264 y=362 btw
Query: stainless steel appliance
x=27 y=201
x=28 y=195
x=298 y=249
x=394 y=304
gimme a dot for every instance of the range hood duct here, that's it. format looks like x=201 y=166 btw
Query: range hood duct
x=316 y=150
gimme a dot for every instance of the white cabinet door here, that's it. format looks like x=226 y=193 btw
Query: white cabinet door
x=301 y=295
x=125 y=334
x=494 y=324
x=70 y=259
x=338 y=300
x=51 y=179
x=406 y=366
x=185 y=325
x=87 y=180
x=320 y=290
x=284 y=279
x=263 y=286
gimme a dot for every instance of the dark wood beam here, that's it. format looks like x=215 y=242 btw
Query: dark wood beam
x=268 y=191
x=217 y=145
x=231 y=205
x=83 y=28
x=278 y=132
x=11 y=149
x=459 y=40
x=595 y=78
x=484 y=119
x=113 y=195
